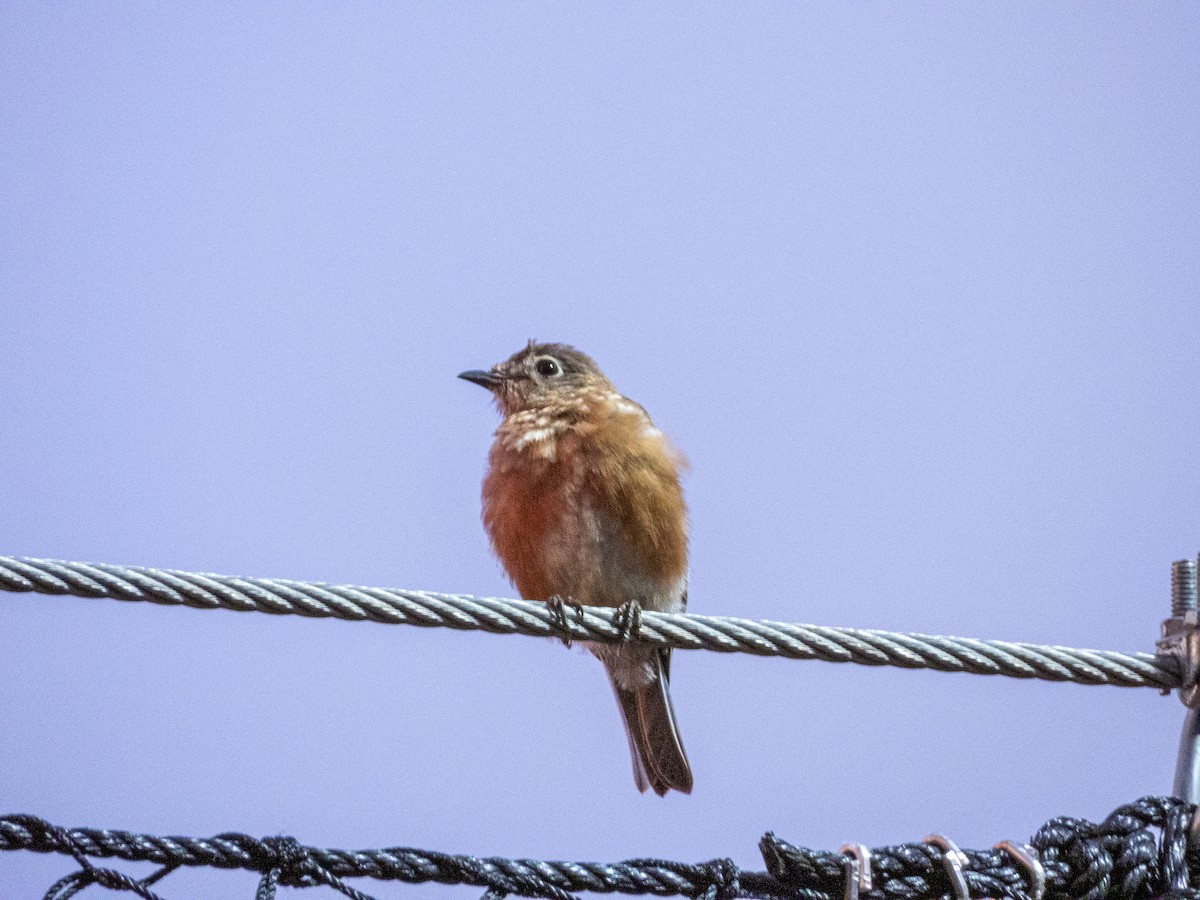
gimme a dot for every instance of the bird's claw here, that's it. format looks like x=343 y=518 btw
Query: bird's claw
x=627 y=620
x=558 y=615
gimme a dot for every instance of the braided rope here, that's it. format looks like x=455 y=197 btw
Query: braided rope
x=722 y=634
x=1141 y=851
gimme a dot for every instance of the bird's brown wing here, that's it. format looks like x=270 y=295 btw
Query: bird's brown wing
x=635 y=480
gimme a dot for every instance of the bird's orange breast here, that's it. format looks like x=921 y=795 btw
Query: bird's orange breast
x=522 y=502
x=611 y=465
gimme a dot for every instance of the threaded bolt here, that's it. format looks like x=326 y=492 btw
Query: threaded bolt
x=1183 y=587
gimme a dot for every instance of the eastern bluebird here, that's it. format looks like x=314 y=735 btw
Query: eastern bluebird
x=582 y=503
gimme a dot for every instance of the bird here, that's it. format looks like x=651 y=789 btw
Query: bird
x=582 y=503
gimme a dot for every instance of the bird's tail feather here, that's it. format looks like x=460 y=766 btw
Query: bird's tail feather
x=659 y=760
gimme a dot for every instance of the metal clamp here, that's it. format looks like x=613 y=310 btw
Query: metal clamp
x=955 y=862
x=857 y=869
x=1180 y=641
x=1026 y=856
x=1180 y=646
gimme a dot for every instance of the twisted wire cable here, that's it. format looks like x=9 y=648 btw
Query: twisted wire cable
x=683 y=631
x=1144 y=850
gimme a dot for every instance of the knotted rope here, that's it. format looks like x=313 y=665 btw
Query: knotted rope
x=1144 y=850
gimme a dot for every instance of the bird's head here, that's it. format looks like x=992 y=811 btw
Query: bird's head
x=540 y=375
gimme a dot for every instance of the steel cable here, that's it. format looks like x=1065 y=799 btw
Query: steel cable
x=683 y=631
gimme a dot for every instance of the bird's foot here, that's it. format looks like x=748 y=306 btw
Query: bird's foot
x=558 y=614
x=627 y=620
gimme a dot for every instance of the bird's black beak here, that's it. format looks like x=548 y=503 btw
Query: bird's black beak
x=489 y=380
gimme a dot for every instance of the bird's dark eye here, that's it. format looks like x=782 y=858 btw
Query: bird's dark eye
x=547 y=367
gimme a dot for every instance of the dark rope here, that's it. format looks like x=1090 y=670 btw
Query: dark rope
x=1143 y=851
x=287 y=862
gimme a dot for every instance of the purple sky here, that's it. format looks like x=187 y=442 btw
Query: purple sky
x=915 y=288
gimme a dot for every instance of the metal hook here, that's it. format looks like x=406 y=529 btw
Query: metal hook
x=955 y=862
x=1027 y=857
x=857 y=869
